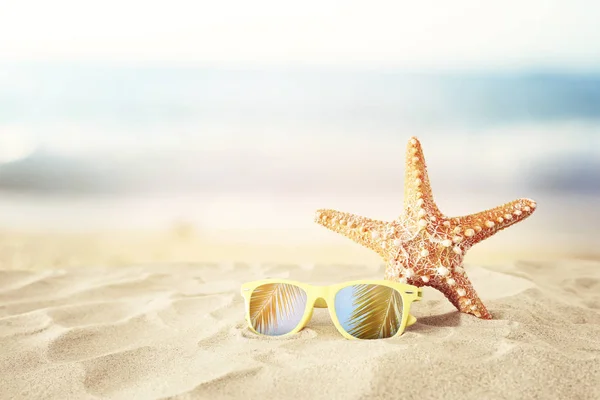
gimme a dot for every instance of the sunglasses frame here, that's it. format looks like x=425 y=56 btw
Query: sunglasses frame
x=324 y=297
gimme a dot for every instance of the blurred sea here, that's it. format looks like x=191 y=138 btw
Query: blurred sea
x=90 y=146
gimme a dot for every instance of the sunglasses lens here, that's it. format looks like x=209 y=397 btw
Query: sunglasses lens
x=277 y=308
x=369 y=311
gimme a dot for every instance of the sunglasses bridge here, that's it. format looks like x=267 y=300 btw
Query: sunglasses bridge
x=320 y=302
x=321 y=293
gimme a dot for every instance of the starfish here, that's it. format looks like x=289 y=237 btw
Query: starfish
x=423 y=247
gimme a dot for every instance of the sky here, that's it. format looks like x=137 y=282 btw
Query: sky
x=458 y=34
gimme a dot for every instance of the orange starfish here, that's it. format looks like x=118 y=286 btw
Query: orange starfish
x=423 y=247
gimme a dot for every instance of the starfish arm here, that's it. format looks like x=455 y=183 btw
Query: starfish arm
x=452 y=282
x=480 y=226
x=364 y=231
x=417 y=188
x=463 y=296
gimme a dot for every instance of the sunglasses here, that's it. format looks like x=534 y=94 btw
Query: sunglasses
x=364 y=309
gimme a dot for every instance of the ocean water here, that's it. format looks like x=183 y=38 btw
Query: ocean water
x=86 y=145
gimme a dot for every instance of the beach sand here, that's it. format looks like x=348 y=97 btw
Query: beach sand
x=177 y=330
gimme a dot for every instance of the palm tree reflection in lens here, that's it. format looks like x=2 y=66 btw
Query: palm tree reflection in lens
x=277 y=308
x=369 y=311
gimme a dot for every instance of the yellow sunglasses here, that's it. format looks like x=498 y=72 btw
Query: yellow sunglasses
x=363 y=309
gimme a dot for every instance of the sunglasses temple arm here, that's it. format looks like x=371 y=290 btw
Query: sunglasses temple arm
x=411 y=320
x=419 y=295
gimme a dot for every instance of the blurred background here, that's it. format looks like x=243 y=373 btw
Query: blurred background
x=138 y=131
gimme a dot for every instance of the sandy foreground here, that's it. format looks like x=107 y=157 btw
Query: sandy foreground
x=177 y=331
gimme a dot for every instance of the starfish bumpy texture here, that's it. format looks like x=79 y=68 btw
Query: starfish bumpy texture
x=423 y=247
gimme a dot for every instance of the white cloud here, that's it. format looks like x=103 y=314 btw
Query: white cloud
x=461 y=33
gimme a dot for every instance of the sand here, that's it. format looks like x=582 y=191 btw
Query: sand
x=177 y=331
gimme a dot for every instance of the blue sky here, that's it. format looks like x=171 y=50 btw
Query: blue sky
x=462 y=34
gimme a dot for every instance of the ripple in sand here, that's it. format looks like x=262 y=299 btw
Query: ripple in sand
x=24 y=324
x=13 y=280
x=92 y=313
x=84 y=343
x=220 y=386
